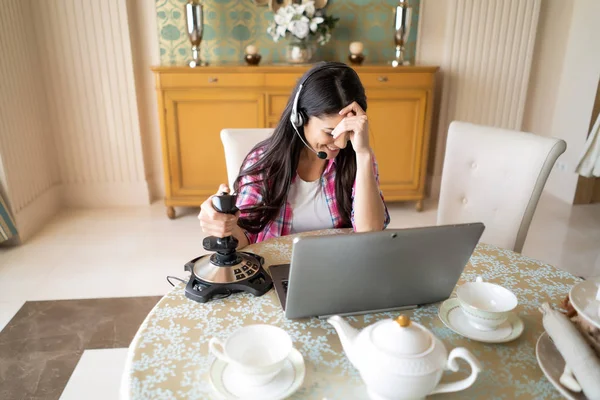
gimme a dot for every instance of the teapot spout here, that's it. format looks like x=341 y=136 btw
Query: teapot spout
x=347 y=335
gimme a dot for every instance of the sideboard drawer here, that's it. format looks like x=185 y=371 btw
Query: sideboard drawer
x=393 y=80
x=207 y=80
x=283 y=80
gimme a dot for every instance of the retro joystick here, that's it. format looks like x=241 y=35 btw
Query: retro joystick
x=224 y=248
x=226 y=270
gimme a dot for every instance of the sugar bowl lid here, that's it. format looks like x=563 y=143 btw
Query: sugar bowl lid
x=401 y=337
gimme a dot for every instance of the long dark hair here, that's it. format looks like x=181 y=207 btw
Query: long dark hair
x=329 y=88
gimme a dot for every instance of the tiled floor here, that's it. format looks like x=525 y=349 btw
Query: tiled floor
x=43 y=343
x=129 y=252
x=566 y=237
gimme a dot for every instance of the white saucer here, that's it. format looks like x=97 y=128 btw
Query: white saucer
x=552 y=365
x=453 y=317
x=583 y=299
x=226 y=384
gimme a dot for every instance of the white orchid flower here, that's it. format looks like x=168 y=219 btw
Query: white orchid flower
x=272 y=30
x=309 y=8
x=280 y=19
x=314 y=23
x=284 y=15
x=299 y=9
x=301 y=29
x=290 y=15
x=281 y=30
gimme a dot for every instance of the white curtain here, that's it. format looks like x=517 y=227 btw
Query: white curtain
x=589 y=165
x=7 y=225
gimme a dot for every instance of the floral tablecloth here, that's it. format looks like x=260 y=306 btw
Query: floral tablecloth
x=169 y=358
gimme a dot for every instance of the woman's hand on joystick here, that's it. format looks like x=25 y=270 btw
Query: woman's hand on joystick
x=214 y=223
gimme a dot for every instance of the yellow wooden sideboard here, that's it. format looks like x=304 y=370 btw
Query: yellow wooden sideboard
x=195 y=104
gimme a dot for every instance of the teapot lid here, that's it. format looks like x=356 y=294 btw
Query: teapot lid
x=401 y=337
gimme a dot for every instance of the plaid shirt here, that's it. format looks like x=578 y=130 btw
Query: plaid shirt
x=250 y=195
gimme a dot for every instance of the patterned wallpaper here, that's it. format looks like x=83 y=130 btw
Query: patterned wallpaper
x=231 y=25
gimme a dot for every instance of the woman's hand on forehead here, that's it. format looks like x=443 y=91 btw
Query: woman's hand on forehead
x=355 y=125
x=352 y=109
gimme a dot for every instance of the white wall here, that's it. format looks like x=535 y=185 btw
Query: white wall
x=432 y=31
x=430 y=51
x=574 y=92
x=29 y=173
x=88 y=75
x=547 y=67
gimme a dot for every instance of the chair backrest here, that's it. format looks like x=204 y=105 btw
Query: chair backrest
x=237 y=144
x=495 y=176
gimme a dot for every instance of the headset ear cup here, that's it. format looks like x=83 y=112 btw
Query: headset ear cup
x=302 y=118
x=293 y=118
x=297 y=119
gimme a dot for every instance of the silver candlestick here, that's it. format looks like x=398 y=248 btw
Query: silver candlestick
x=402 y=20
x=194 y=15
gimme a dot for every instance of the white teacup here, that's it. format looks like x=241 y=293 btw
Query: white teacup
x=257 y=352
x=485 y=304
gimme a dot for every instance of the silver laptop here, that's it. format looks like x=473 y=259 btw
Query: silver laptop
x=373 y=272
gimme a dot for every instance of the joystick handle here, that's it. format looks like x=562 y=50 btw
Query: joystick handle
x=225 y=203
x=225 y=247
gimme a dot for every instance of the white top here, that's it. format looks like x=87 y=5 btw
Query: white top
x=309 y=206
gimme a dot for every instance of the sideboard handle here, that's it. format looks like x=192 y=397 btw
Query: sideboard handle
x=213 y=79
x=382 y=79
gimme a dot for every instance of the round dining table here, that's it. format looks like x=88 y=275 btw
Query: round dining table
x=169 y=357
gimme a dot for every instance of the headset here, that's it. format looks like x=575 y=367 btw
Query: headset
x=298 y=117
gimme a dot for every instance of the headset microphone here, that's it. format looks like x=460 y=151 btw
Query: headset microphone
x=321 y=154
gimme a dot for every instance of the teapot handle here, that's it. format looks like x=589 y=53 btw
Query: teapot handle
x=452 y=365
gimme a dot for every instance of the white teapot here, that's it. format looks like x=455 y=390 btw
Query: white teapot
x=400 y=359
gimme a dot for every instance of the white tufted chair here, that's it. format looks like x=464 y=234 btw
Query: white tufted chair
x=495 y=176
x=237 y=144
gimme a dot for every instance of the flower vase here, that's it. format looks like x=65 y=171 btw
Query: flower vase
x=299 y=51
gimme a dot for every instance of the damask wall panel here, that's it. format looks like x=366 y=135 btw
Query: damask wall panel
x=231 y=25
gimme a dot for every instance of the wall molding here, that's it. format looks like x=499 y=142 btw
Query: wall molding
x=156 y=187
x=106 y=194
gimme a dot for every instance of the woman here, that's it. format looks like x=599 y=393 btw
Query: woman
x=316 y=171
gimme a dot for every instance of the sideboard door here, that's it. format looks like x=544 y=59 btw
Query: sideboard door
x=397 y=132
x=194 y=119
